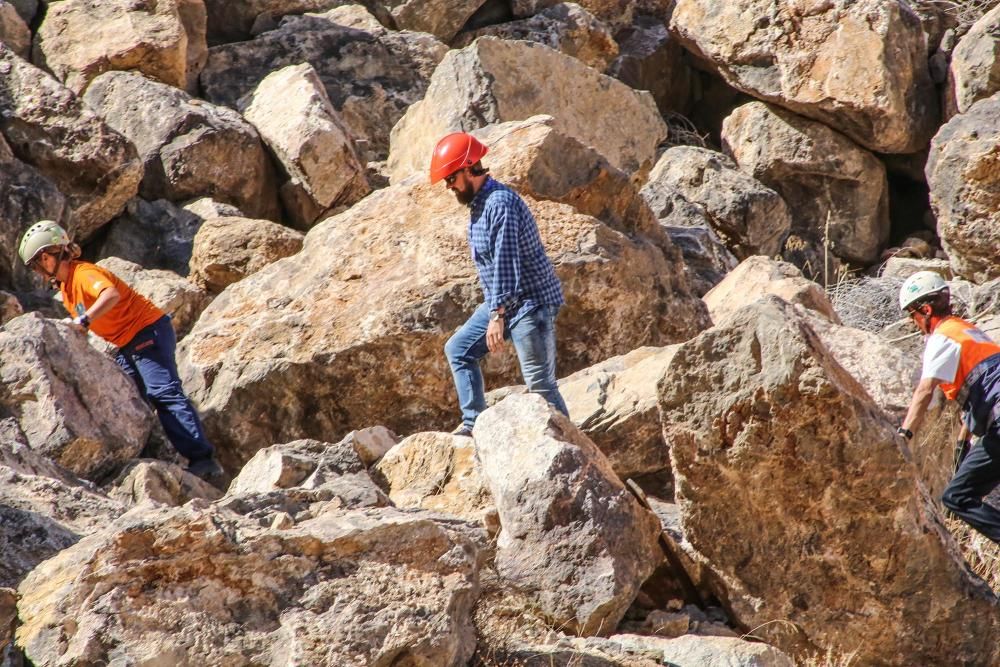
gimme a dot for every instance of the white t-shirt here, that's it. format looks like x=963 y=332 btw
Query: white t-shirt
x=941 y=357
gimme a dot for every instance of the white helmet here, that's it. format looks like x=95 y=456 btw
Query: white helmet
x=920 y=285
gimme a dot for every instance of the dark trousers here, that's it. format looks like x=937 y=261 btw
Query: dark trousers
x=977 y=476
x=149 y=360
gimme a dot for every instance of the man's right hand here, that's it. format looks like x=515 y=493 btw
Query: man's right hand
x=494 y=335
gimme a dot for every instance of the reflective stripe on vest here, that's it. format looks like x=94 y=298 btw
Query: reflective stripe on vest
x=975 y=347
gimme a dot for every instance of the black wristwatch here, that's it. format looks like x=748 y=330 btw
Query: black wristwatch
x=495 y=315
x=905 y=432
x=83 y=321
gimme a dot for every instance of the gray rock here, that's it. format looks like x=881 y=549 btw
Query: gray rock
x=652 y=59
x=13 y=30
x=974 y=73
x=189 y=148
x=154 y=235
x=706 y=259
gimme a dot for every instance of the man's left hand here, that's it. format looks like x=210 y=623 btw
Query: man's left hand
x=494 y=335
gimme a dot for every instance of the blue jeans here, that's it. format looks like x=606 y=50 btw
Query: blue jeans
x=534 y=338
x=977 y=476
x=149 y=360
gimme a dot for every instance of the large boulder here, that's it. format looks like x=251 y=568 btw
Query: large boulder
x=49 y=128
x=974 y=73
x=652 y=59
x=859 y=67
x=43 y=510
x=964 y=181
x=824 y=522
x=750 y=218
x=350 y=331
x=396 y=69
x=78 y=40
x=227 y=250
x=441 y=18
x=305 y=133
x=204 y=586
x=175 y=296
x=154 y=235
x=565 y=517
x=566 y=27
x=494 y=81
x=615 y=404
x=834 y=189
x=13 y=30
x=66 y=400
x=707 y=260
x=26 y=196
x=189 y=148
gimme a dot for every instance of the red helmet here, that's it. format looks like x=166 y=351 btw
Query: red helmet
x=456 y=151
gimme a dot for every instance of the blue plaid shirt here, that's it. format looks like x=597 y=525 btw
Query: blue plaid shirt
x=513 y=269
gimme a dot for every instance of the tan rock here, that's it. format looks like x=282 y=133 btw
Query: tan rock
x=44 y=509
x=397 y=67
x=436 y=471
x=67 y=401
x=175 y=296
x=494 y=81
x=974 y=73
x=757 y=277
x=824 y=522
x=904 y=267
x=614 y=403
x=202 y=586
x=296 y=120
x=372 y=443
x=78 y=40
x=616 y=14
x=10 y=307
x=441 y=18
x=8 y=615
x=963 y=175
x=859 y=67
x=160 y=482
x=13 y=30
x=565 y=517
x=227 y=250
x=190 y=148
x=359 y=340
x=94 y=167
x=750 y=218
x=685 y=651
x=833 y=188
x=194 y=18
x=566 y=27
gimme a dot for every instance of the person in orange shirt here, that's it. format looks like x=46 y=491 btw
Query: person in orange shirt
x=965 y=364
x=101 y=302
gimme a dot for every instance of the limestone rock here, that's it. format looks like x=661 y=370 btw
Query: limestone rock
x=615 y=404
x=826 y=179
x=312 y=471
x=174 y=295
x=8 y=615
x=13 y=30
x=10 y=307
x=617 y=14
x=436 y=471
x=566 y=27
x=372 y=443
x=397 y=69
x=757 y=277
x=706 y=259
x=43 y=509
x=26 y=196
x=202 y=586
x=441 y=18
x=904 y=267
x=317 y=345
x=964 y=180
x=494 y=81
x=47 y=127
x=159 y=482
x=234 y=21
x=652 y=59
x=751 y=218
x=824 y=522
x=630 y=650
x=78 y=40
x=975 y=65
x=295 y=118
x=227 y=250
x=859 y=67
x=26 y=9
x=565 y=517
x=67 y=401
x=130 y=235
x=189 y=148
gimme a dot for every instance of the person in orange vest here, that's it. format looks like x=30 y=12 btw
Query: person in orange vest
x=101 y=302
x=965 y=364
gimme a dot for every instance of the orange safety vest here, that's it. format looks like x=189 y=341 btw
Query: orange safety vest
x=975 y=347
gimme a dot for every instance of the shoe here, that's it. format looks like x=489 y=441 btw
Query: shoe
x=205 y=469
x=463 y=430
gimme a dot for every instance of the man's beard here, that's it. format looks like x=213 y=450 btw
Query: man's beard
x=465 y=195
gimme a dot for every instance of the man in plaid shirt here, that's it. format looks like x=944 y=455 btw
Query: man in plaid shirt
x=521 y=291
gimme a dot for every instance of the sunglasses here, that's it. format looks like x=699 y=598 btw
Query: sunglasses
x=450 y=179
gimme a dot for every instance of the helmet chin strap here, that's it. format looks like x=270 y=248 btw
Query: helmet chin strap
x=54 y=282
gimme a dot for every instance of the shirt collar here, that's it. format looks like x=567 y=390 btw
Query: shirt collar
x=487 y=187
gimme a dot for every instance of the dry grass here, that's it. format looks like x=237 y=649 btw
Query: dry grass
x=982 y=555
x=965 y=12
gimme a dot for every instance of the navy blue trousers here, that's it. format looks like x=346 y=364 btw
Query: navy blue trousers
x=149 y=360
x=977 y=476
